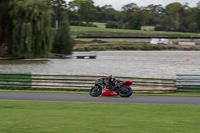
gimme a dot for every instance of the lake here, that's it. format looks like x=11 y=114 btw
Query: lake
x=146 y=64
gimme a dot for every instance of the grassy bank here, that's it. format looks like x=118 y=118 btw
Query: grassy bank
x=125 y=44
x=189 y=94
x=101 y=31
x=130 y=46
x=62 y=117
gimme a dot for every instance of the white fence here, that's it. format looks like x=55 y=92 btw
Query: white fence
x=77 y=82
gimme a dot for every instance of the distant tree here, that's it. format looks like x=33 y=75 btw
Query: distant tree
x=130 y=7
x=32 y=33
x=5 y=26
x=87 y=11
x=112 y=24
x=82 y=11
x=175 y=13
x=130 y=16
x=59 y=3
x=59 y=6
x=194 y=19
x=138 y=19
x=155 y=14
x=63 y=43
x=106 y=13
x=198 y=16
x=127 y=11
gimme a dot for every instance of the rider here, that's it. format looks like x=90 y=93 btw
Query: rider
x=112 y=82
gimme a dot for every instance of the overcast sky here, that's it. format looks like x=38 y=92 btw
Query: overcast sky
x=117 y=4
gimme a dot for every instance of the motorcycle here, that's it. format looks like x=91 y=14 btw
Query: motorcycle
x=111 y=87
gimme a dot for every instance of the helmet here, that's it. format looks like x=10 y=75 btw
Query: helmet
x=109 y=78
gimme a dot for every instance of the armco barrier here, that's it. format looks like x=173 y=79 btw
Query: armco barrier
x=188 y=82
x=77 y=82
x=15 y=80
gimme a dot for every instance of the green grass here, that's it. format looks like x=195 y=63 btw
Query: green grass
x=69 y=117
x=148 y=28
x=101 y=31
x=189 y=94
x=100 y=25
x=48 y=91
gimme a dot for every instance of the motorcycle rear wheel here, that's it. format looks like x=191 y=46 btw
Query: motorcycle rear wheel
x=95 y=91
x=127 y=91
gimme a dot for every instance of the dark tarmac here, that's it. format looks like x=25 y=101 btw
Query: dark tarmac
x=110 y=99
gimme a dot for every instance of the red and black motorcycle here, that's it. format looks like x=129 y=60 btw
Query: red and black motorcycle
x=111 y=86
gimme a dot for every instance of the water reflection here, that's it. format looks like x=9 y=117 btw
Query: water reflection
x=21 y=62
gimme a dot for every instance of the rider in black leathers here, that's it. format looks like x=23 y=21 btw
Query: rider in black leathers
x=112 y=82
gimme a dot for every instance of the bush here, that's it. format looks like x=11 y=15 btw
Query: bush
x=63 y=42
x=112 y=24
x=159 y=27
x=80 y=23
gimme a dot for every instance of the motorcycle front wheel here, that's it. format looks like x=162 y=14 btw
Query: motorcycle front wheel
x=95 y=91
x=126 y=91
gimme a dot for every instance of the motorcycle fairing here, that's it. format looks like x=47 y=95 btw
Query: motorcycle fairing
x=106 y=92
x=126 y=83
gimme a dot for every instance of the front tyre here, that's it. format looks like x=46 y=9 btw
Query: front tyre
x=95 y=91
x=126 y=91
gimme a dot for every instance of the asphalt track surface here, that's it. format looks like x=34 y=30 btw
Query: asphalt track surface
x=87 y=98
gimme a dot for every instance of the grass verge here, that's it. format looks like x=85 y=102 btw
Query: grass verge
x=69 y=117
x=46 y=91
x=189 y=94
x=130 y=46
x=101 y=31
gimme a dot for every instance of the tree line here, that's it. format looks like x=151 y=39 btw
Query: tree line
x=173 y=17
x=34 y=28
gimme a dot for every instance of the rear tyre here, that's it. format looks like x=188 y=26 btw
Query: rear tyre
x=126 y=91
x=95 y=91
